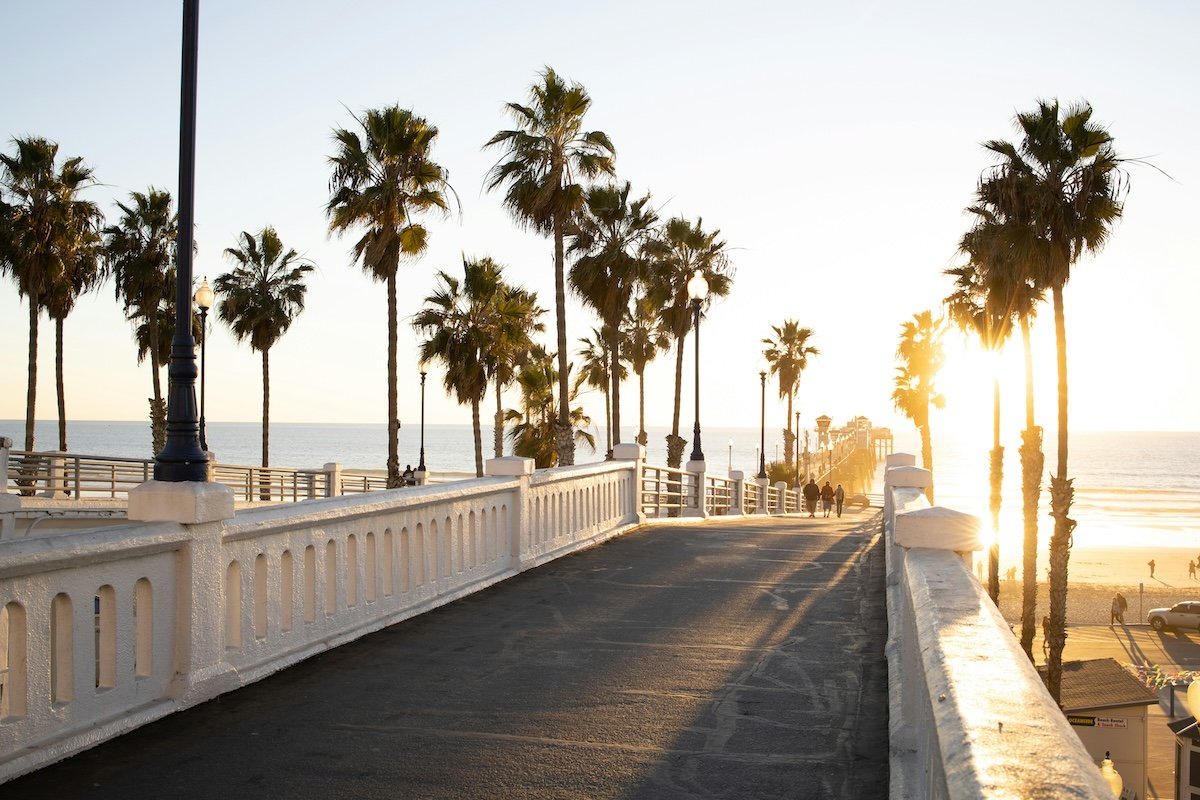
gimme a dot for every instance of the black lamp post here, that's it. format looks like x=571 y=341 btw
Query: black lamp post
x=697 y=291
x=762 y=445
x=421 y=465
x=204 y=301
x=182 y=459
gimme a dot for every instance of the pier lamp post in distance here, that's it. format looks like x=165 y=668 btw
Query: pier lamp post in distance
x=697 y=289
x=204 y=301
x=762 y=445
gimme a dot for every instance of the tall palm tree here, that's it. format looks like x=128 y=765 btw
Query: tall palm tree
x=473 y=326
x=43 y=228
x=985 y=315
x=382 y=179
x=921 y=356
x=140 y=250
x=680 y=249
x=787 y=354
x=517 y=318
x=259 y=300
x=544 y=159
x=990 y=246
x=1064 y=184
x=534 y=423
x=643 y=337
x=608 y=239
x=596 y=372
x=84 y=271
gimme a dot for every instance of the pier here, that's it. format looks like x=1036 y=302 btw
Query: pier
x=611 y=629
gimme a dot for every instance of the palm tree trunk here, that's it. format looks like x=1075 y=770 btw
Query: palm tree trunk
x=996 y=477
x=266 y=408
x=477 y=427
x=498 y=432
x=31 y=386
x=59 y=385
x=1061 y=495
x=675 y=442
x=564 y=442
x=789 y=438
x=157 y=406
x=1031 y=488
x=642 y=437
x=607 y=426
x=393 y=459
x=927 y=458
x=614 y=348
x=264 y=480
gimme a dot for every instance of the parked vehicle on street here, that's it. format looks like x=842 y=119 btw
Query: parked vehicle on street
x=1184 y=615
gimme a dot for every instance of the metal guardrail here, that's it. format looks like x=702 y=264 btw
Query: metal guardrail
x=720 y=494
x=360 y=481
x=85 y=477
x=666 y=489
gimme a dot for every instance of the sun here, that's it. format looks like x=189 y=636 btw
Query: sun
x=966 y=381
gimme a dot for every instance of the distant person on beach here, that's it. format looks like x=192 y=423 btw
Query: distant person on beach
x=826 y=498
x=1045 y=634
x=1192 y=569
x=839 y=497
x=1150 y=564
x=811 y=493
x=1118 y=610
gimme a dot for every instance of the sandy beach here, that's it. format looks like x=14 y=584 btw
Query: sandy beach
x=1095 y=574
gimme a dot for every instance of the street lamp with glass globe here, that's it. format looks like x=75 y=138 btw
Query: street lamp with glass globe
x=697 y=289
x=203 y=298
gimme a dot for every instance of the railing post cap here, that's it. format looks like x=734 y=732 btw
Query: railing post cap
x=908 y=476
x=901 y=460
x=737 y=475
x=508 y=466
x=629 y=451
x=695 y=466
x=330 y=466
x=6 y=443
x=781 y=485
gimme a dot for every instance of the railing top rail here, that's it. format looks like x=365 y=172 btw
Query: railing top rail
x=16 y=455
x=551 y=474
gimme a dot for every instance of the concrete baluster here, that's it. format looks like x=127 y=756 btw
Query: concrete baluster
x=9 y=503
x=637 y=454
x=739 y=492
x=521 y=539
x=333 y=479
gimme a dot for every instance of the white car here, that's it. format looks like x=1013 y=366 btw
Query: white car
x=1180 y=615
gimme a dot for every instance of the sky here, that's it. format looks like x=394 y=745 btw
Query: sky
x=835 y=146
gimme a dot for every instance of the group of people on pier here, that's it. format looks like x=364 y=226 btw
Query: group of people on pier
x=830 y=498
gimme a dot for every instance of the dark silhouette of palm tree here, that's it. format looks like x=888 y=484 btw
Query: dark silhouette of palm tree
x=545 y=158
x=921 y=357
x=608 y=238
x=787 y=356
x=259 y=300
x=1062 y=184
x=46 y=242
x=140 y=250
x=382 y=180
x=678 y=251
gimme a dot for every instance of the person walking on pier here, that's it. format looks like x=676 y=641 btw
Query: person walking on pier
x=811 y=493
x=826 y=499
x=839 y=497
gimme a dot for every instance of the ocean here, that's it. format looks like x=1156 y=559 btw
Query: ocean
x=1132 y=489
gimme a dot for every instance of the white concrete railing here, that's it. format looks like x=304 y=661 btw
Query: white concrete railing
x=102 y=631
x=968 y=714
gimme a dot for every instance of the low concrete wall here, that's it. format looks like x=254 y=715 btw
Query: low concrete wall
x=105 y=630
x=969 y=716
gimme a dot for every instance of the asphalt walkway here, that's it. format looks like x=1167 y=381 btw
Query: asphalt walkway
x=730 y=659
